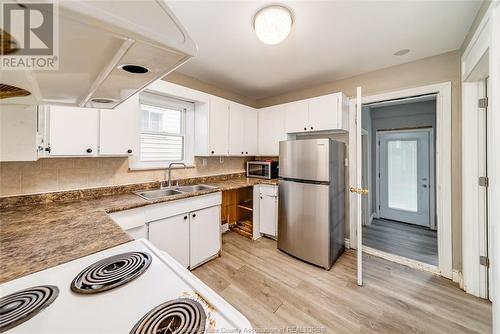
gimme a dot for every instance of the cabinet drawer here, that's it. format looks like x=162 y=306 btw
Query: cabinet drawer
x=269 y=190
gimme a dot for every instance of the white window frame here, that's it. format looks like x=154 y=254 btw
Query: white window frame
x=153 y=98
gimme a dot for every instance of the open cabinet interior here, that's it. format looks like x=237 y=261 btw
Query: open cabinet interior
x=237 y=210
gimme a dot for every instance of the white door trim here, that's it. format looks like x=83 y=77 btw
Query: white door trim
x=366 y=156
x=480 y=60
x=432 y=199
x=443 y=165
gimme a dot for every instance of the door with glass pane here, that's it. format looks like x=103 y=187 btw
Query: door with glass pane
x=404 y=176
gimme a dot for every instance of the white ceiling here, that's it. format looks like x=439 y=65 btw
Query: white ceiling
x=330 y=40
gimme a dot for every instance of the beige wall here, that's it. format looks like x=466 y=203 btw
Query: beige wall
x=437 y=69
x=187 y=81
x=57 y=174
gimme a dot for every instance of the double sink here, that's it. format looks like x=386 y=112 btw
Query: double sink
x=167 y=192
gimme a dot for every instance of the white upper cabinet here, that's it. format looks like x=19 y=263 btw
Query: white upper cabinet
x=322 y=113
x=251 y=131
x=237 y=129
x=18 y=133
x=296 y=116
x=225 y=128
x=73 y=131
x=218 y=126
x=242 y=130
x=271 y=130
x=118 y=128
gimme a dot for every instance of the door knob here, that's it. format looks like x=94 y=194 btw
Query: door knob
x=360 y=191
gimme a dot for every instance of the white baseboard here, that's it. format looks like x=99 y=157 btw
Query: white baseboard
x=347 y=243
x=458 y=278
x=225 y=227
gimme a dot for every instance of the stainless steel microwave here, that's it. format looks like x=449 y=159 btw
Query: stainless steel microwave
x=262 y=169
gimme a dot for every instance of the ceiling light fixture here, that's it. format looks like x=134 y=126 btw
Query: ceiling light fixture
x=402 y=52
x=272 y=24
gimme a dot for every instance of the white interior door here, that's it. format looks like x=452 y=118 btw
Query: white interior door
x=404 y=176
x=358 y=190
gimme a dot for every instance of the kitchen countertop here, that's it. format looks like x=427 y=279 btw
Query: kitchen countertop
x=35 y=237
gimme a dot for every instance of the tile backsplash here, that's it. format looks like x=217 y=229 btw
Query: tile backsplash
x=56 y=174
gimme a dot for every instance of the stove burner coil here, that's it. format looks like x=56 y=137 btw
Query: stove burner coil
x=183 y=316
x=111 y=272
x=23 y=305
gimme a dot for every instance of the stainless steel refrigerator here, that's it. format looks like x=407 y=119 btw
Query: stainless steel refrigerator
x=311 y=200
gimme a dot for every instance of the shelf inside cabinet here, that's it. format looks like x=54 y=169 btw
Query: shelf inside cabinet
x=246 y=206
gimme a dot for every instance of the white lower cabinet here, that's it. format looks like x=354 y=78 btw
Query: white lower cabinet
x=187 y=229
x=172 y=236
x=268 y=210
x=204 y=235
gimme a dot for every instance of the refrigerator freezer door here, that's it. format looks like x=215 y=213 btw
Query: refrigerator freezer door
x=304 y=222
x=307 y=159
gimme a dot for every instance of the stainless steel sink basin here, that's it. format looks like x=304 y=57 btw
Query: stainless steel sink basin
x=154 y=194
x=193 y=188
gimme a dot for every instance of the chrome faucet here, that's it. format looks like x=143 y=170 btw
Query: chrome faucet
x=169 y=179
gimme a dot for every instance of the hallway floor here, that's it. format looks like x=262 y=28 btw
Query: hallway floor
x=411 y=241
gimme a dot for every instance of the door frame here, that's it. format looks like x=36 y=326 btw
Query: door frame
x=432 y=167
x=443 y=166
x=480 y=60
x=368 y=217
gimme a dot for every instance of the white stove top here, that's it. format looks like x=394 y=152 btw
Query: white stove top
x=119 y=309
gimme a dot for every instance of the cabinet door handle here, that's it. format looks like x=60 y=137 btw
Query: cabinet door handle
x=185 y=217
x=246 y=152
x=312 y=128
x=194 y=215
x=213 y=152
x=89 y=150
x=305 y=128
x=129 y=151
x=47 y=149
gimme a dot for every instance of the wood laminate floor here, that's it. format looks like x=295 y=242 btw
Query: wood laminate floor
x=411 y=241
x=274 y=290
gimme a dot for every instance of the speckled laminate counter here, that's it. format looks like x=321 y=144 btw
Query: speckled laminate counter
x=37 y=234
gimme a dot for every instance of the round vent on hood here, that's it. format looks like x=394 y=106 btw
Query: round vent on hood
x=7 y=91
x=134 y=69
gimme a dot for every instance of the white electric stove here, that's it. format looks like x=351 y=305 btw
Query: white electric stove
x=140 y=290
